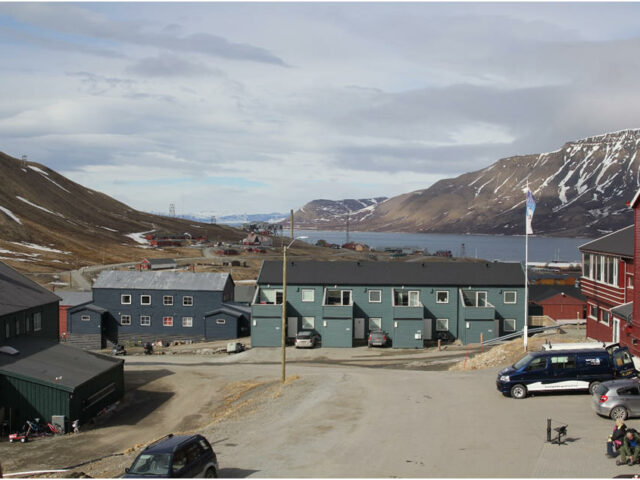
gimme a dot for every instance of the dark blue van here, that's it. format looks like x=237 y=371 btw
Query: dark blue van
x=568 y=369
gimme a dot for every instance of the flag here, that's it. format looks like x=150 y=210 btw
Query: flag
x=531 y=206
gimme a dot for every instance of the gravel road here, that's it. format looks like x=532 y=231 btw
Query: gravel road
x=335 y=417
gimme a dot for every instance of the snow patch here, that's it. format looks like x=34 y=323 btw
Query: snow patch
x=139 y=237
x=36 y=169
x=38 y=206
x=11 y=215
x=35 y=246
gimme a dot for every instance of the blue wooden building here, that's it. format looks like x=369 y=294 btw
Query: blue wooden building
x=412 y=302
x=150 y=306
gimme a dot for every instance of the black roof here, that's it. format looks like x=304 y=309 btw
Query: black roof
x=169 y=444
x=624 y=311
x=52 y=363
x=616 y=243
x=393 y=273
x=88 y=306
x=538 y=293
x=18 y=293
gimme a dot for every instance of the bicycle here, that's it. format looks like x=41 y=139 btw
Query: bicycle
x=54 y=428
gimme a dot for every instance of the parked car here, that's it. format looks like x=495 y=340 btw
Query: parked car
x=617 y=398
x=175 y=456
x=378 y=338
x=557 y=370
x=307 y=339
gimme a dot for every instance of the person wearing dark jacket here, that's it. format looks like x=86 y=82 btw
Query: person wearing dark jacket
x=630 y=450
x=616 y=438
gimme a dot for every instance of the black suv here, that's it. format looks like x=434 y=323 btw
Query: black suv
x=177 y=456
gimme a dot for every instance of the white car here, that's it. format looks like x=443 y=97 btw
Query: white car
x=307 y=339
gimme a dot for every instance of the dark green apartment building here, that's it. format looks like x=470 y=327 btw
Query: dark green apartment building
x=413 y=302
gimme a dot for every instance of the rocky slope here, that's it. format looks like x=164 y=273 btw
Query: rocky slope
x=46 y=220
x=580 y=189
x=320 y=214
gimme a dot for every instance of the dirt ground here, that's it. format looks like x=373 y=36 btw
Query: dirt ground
x=323 y=422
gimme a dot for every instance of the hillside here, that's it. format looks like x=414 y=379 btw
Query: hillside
x=580 y=189
x=48 y=221
x=319 y=214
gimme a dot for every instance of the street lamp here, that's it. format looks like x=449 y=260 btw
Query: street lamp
x=284 y=302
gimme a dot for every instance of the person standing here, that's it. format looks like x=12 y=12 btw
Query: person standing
x=630 y=449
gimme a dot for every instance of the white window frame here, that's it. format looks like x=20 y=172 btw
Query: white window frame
x=17 y=327
x=374 y=321
x=308 y=291
x=343 y=293
x=221 y=321
x=438 y=292
x=165 y=322
x=379 y=293
x=85 y=318
x=187 y=303
x=123 y=296
x=602 y=315
x=145 y=320
x=125 y=319
x=590 y=308
x=515 y=325
x=145 y=303
x=28 y=326
x=515 y=297
x=411 y=294
x=439 y=324
x=308 y=323
x=37 y=322
x=187 y=322
x=7 y=329
x=167 y=300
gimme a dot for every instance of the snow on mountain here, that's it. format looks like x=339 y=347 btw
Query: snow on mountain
x=334 y=213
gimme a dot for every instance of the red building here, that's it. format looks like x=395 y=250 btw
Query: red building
x=560 y=302
x=607 y=283
x=67 y=301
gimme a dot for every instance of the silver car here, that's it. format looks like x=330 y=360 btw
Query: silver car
x=307 y=339
x=617 y=398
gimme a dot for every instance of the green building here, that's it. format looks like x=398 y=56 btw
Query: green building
x=413 y=302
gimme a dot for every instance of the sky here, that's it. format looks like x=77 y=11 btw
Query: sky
x=232 y=108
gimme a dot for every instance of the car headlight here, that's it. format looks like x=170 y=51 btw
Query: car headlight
x=504 y=378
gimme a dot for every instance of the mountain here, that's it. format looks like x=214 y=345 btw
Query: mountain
x=580 y=190
x=320 y=214
x=46 y=220
x=235 y=219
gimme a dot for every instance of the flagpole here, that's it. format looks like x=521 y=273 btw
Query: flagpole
x=525 y=330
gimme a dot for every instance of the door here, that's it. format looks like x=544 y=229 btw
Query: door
x=358 y=328
x=616 y=330
x=292 y=327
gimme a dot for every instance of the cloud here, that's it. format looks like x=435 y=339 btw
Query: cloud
x=166 y=65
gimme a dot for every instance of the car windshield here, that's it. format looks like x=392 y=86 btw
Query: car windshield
x=523 y=361
x=152 y=464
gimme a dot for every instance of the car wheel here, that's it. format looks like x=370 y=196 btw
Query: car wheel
x=211 y=473
x=619 y=413
x=11 y=440
x=518 y=391
x=23 y=439
x=593 y=386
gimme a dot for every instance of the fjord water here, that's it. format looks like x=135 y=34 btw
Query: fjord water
x=489 y=247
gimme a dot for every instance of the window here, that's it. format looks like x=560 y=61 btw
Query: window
x=308 y=295
x=145 y=299
x=539 y=363
x=167 y=300
x=145 y=321
x=188 y=301
x=37 y=322
x=85 y=318
x=221 y=321
x=125 y=299
x=308 y=323
x=125 y=319
x=187 y=321
x=270 y=296
x=442 y=324
x=442 y=296
x=593 y=311
x=404 y=298
x=601 y=268
x=28 y=328
x=605 y=317
x=167 y=321
x=510 y=297
x=629 y=281
x=509 y=325
x=7 y=330
x=338 y=297
x=586 y=265
x=475 y=299
x=375 y=296
x=375 y=323
x=562 y=362
x=17 y=327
